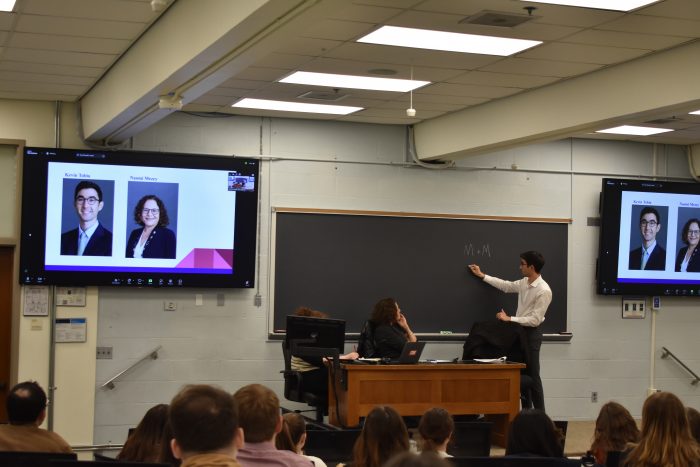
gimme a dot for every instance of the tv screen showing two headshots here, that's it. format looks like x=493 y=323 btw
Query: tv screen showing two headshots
x=649 y=236
x=138 y=219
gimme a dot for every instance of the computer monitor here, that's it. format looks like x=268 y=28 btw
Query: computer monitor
x=318 y=337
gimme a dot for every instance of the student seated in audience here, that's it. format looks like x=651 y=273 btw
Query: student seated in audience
x=259 y=412
x=665 y=439
x=383 y=435
x=694 y=422
x=206 y=432
x=293 y=437
x=424 y=459
x=314 y=372
x=26 y=411
x=391 y=330
x=144 y=444
x=614 y=429
x=533 y=433
x=435 y=428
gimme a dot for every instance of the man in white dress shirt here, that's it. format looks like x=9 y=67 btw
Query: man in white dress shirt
x=534 y=297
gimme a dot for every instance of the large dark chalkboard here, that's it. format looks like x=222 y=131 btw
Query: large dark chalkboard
x=342 y=264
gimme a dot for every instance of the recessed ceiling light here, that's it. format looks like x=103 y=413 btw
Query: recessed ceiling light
x=285 y=106
x=448 y=41
x=617 y=5
x=634 y=130
x=353 y=82
x=695 y=112
x=7 y=5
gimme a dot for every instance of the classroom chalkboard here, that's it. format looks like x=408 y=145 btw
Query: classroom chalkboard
x=342 y=263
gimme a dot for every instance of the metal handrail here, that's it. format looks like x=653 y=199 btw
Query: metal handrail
x=153 y=354
x=666 y=353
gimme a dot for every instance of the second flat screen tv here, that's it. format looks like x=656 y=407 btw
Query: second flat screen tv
x=648 y=238
x=133 y=218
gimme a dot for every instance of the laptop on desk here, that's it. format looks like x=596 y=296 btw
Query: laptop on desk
x=410 y=354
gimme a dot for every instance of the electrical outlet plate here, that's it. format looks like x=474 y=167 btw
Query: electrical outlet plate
x=104 y=353
x=634 y=307
x=169 y=305
x=594 y=396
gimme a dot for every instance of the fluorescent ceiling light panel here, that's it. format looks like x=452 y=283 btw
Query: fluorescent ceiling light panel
x=285 y=106
x=695 y=112
x=7 y=5
x=617 y=5
x=634 y=130
x=353 y=82
x=448 y=41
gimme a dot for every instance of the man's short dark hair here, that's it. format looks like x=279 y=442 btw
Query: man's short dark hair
x=259 y=410
x=534 y=259
x=88 y=184
x=25 y=402
x=203 y=418
x=650 y=210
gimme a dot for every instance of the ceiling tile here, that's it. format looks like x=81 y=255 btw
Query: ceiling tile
x=364 y=13
x=626 y=39
x=582 y=53
x=684 y=9
x=452 y=89
x=115 y=10
x=308 y=46
x=503 y=79
x=383 y=55
x=50 y=69
x=654 y=25
x=68 y=43
x=59 y=58
x=540 y=67
x=45 y=78
x=79 y=27
x=339 y=30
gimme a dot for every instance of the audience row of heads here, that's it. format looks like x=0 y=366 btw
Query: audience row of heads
x=669 y=435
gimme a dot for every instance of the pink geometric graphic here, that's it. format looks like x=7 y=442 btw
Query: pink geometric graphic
x=209 y=258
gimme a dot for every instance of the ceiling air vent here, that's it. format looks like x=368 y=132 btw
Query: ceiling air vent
x=496 y=18
x=323 y=95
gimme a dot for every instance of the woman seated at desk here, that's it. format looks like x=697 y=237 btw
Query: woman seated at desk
x=391 y=330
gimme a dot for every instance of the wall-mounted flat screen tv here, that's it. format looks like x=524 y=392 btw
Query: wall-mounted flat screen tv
x=134 y=218
x=649 y=238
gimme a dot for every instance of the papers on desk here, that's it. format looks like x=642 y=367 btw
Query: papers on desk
x=370 y=360
x=491 y=360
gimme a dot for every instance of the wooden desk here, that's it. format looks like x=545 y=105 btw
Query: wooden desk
x=490 y=389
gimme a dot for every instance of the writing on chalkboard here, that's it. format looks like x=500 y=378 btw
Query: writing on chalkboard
x=471 y=250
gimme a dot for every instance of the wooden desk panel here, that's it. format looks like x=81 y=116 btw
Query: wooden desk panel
x=490 y=389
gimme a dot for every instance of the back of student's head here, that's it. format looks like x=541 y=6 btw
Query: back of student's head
x=306 y=311
x=144 y=444
x=203 y=418
x=259 y=412
x=665 y=438
x=614 y=428
x=383 y=435
x=384 y=311
x=435 y=427
x=694 y=422
x=293 y=429
x=533 y=432
x=25 y=402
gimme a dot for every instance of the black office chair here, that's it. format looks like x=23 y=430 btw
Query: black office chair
x=294 y=386
x=366 y=346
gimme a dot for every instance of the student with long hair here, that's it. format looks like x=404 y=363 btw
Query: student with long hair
x=436 y=427
x=383 y=435
x=614 y=429
x=665 y=440
x=533 y=433
x=293 y=436
x=144 y=444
